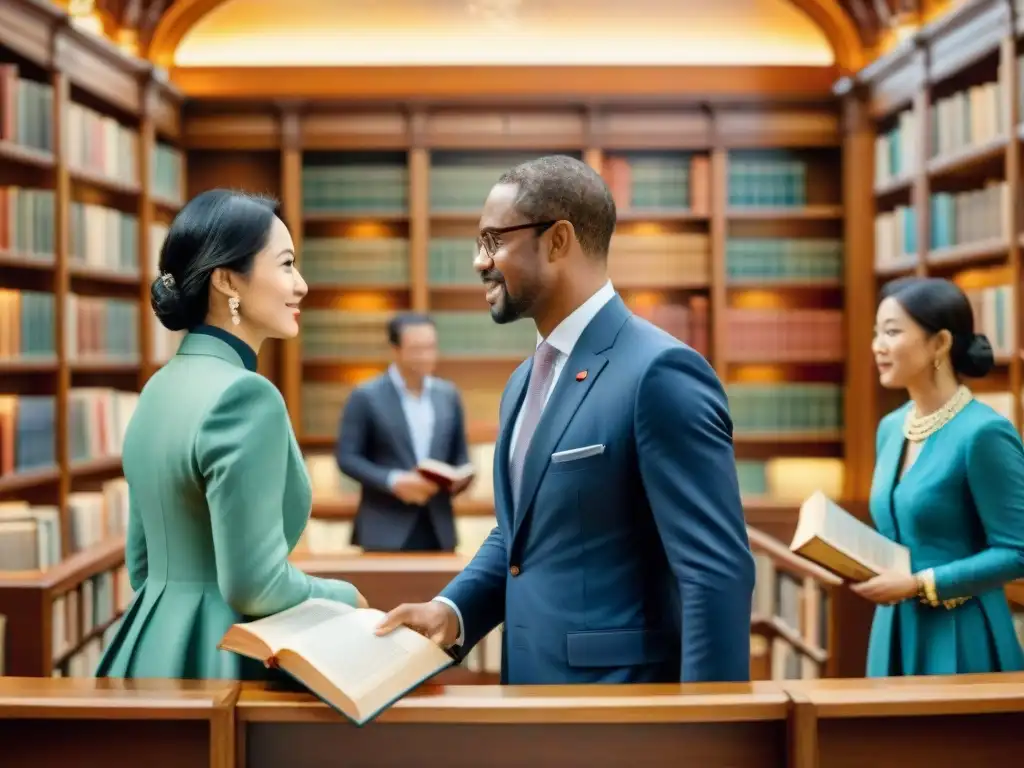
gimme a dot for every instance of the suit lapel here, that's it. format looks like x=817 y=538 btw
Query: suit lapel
x=566 y=398
x=513 y=400
x=395 y=415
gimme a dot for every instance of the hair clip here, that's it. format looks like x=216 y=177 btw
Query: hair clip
x=168 y=280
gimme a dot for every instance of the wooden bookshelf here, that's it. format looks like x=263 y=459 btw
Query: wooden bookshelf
x=383 y=202
x=88 y=161
x=945 y=111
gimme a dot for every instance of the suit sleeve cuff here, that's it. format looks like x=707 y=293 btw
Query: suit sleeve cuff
x=392 y=478
x=458 y=614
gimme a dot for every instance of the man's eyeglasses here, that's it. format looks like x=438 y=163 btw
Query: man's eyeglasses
x=490 y=239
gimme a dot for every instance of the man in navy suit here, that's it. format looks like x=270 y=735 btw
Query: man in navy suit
x=389 y=425
x=621 y=553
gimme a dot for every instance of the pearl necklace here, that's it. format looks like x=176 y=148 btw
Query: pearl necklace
x=917 y=428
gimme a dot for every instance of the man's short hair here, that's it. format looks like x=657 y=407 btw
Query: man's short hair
x=401 y=321
x=560 y=187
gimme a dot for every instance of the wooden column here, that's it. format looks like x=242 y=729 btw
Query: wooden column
x=291 y=198
x=419 y=214
x=62 y=282
x=146 y=149
x=860 y=405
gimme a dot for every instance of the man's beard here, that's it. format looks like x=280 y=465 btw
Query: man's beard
x=509 y=308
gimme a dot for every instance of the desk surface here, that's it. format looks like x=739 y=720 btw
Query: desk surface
x=542 y=704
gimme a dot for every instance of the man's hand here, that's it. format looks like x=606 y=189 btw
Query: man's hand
x=413 y=488
x=433 y=620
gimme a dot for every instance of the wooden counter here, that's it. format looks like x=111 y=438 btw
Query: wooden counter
x=940 y=722
x=742 y=726
x=86 y=723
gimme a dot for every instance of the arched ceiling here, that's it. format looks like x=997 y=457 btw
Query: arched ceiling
x=850 y=27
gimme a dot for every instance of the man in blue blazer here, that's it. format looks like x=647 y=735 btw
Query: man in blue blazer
x=621 y=553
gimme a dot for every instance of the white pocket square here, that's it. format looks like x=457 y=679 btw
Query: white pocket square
x=577 y=453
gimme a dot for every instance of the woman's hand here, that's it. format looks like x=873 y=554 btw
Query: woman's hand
x=887 y=588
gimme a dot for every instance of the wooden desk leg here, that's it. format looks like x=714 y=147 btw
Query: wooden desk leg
x=222 y=737
x=803 y=732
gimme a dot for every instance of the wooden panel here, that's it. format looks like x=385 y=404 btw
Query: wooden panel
x=651 y=129
x=895 y=81
x=756 y=128
x=26 y=28
x=355 y=130
x=708 y=745
x=232 y=131
x=503 y=129
x=528 y=84
x=165 y=106
x=99 y=68
x=972 y=32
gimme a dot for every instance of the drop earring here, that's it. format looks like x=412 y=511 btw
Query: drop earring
x=233 y=303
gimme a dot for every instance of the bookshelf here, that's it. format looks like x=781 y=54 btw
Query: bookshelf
x=732 y=226
x=90 y=172
x=945 y=109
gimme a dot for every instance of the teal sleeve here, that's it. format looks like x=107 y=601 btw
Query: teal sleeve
x=995 y=475
x=135 y=557
x=242 y=452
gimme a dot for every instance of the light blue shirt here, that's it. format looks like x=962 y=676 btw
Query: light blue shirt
x=419 y=416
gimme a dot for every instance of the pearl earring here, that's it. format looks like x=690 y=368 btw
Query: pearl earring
x=233 y=303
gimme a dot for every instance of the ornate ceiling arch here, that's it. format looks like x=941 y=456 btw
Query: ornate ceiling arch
x=834 y=23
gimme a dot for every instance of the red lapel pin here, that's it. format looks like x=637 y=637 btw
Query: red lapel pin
x=581 y=376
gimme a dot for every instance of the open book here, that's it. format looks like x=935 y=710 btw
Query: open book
x=832 y=537
x=445 y=475
x=331 y=649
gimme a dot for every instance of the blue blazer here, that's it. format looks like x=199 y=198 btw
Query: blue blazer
x=631 y=562
x=960 y=510
x=374 y=440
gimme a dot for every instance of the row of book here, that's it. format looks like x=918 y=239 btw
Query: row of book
x=103 y=238
x=968 y=118
x=995 y=316
x=790 y=335
x=26 y=110
x=27 y=227
x=26 y=326
x=339 y=335
x=790 y=478
x=650 y=181
x=657 y=259
x=99 y=329
x=814 y=409
x=85 y=620
x=959 y=218
x=895 y=237
x=27 y=434
x=461 y=181
x=97 y=144
x=167 y=172
x=896 y=149
x=686 y=319
x=97 y=420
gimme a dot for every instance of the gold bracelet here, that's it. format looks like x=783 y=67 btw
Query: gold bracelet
x=926 y=587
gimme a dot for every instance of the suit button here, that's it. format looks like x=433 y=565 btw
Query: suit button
x=514 y=570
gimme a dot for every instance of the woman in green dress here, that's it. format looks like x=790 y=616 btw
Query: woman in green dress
x=949 y=485
x=218 y=490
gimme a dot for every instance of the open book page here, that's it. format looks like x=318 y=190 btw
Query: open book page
x=368 y=670
x=831 y=536
x=281 y=629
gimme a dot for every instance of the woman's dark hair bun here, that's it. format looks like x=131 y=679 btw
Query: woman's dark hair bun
x=167 y=304
x=940 y=305
x=976 y=359
x=216 y=229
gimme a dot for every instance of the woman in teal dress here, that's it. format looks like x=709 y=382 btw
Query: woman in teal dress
x=218 y=490
x=949 y=485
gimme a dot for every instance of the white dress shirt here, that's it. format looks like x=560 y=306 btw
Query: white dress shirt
x=563 y=338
